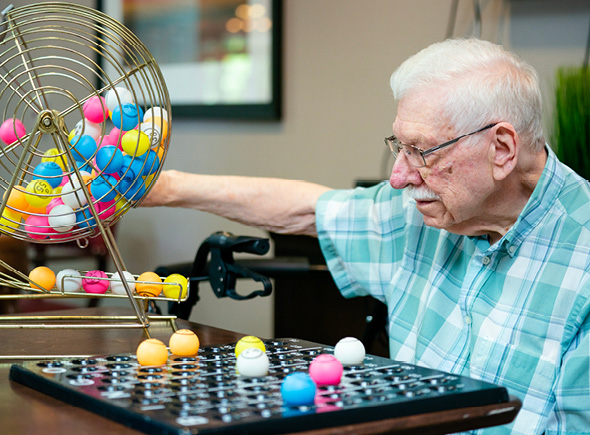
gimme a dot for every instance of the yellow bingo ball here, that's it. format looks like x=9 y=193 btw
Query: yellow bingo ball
x=247 y=342
x=135 y=143
x=39 y=193
x=184 y=342
x=152 y=352
x=172 y=290
x=10 y=220
x=53 y=155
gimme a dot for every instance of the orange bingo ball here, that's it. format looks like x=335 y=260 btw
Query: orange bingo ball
x=148 y=284
x=184 y=342
x=152 y=352
x=17 y=199
x=43 y=276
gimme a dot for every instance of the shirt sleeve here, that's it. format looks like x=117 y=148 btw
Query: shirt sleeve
x=571 y=413
x=361 y=233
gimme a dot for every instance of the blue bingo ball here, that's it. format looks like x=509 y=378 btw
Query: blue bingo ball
x=131 y=188
x=298 y=389
x=109 y=159
x=127 y=116
x=50 y=172
x=84 y=218
x=152 y=163
x=132 y=167
x=103 y=188
x=83 y=147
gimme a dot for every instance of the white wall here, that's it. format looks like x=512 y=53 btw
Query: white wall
x=338 y=56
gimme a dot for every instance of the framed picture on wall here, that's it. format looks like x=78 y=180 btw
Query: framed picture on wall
x=221 y=59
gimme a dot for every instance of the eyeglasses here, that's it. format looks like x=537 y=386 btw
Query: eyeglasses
x=416 y=157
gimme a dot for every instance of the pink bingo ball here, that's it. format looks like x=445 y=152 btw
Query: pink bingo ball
x=325 y=369
x=95 y=109
x=93 y=284
x=37 y=227
x=11 y=130
x=106 y=209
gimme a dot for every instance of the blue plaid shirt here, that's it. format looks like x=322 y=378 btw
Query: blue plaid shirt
x=515 y=313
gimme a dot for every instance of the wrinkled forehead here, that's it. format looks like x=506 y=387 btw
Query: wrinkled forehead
x=420 y=118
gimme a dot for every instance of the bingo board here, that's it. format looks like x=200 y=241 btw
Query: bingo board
x=205 y=395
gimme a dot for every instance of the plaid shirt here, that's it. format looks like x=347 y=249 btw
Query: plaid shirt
x=515 y=313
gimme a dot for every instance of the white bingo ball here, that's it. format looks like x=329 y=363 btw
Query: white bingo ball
x=62 y=218
x=156 y=112
x=68 y=280
x=117 y=286
x=72 y=195
x=85 y=127
x=252 y=363
x=350 y=351
x=111 y=100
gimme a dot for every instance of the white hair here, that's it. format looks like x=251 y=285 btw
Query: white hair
x=481 y=83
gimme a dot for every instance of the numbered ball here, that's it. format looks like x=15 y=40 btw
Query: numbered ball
x=83 y=148
x=175 y=286
x=116 y=97
x=156 y=112
x=12 y=130
x=325 y=369
x=95 y=281
x=103 y=188
x=37 y=227
x=135 y=143
x=86 y=128
x=126 y=116
x=72 y=194
x=95 y=109
x=10 y=220
x=62 y=218
x=109 y=159
x=50 y=172
x=298 y=389
x=117 y=286
x=39 y=193
x=42 y=277
x=149 y=284
x=248 y=342
x=68 y=280
x=184 y=342
x=152 y=352
x=252 y=363
x=350 y=351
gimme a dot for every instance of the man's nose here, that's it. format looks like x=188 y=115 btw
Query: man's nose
x=403 y=173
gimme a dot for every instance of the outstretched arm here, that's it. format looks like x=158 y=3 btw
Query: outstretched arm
x=273 y=204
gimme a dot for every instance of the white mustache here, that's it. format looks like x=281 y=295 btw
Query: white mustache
x=421 y=193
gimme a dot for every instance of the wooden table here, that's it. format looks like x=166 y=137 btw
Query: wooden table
x=26 y=411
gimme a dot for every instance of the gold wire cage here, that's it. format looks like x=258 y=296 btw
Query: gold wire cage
x=85 y=129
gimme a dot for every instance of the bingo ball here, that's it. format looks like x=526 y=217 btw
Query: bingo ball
x=152 y=352
x=109 y=159
x=10 y=220
x=83 y=147
x=117 y=286
x=37 y=227
x=38 y=193
x=95 y=109
x=53 y=155
x=116 y=97
x=174 y=286
x=85 y=127
x=148 y=284
x=152 y=163
x=325 y=369
x=350 y=351
x=17 y=199
x=153 y=132
x=135 y=143
x=252 y=363
x=103 y=188
x=184 y=342
x=298 y=389
x=156 y=111
x=159 y=123
x=62 y=218
x=11 y=130
x=247 y=342
x=126 y=116
x=50 y=172
x=68 y=280
x=95 y=282
x=84 y=218
x=43 y=276
x=72 y=194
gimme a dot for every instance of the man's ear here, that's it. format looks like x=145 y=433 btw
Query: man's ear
x=505 y=147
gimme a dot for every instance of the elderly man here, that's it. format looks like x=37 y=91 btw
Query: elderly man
x=480 y=250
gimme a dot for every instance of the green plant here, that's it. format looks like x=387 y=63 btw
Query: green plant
x=572 y=118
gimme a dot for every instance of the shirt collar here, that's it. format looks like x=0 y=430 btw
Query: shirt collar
x=543 y=197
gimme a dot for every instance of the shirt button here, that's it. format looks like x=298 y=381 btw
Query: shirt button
x=467 y=320
x=485 y=260
x=512 y=249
